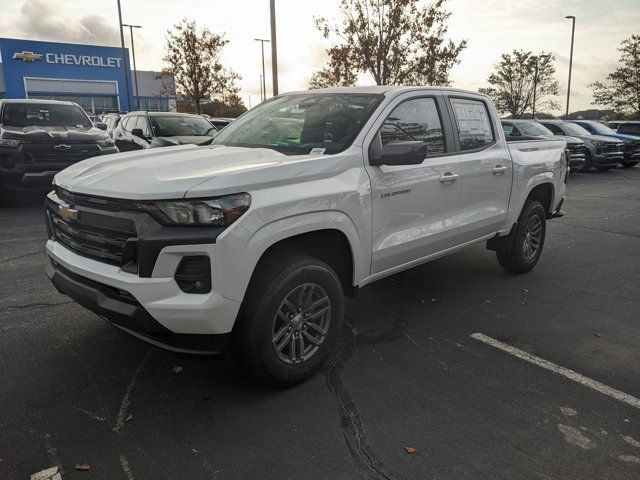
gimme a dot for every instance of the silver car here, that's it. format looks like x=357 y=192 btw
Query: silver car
x=603 y=153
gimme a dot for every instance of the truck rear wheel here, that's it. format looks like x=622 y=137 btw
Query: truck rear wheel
x=627 y=164
x=290 y=319
x=522 y=251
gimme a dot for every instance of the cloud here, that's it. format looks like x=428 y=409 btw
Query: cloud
x=45 y=20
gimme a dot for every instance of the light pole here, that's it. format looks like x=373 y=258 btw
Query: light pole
x=135 y=70
x=573 y=31
x=263 y=84
x=274 y=48
x=124 y=61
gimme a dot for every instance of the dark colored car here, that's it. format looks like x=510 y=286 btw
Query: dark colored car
x=531 y=129
x=138 y=130
x=631 y=142
x=602 y=152
x=38 y=138
x=629 y=127
x=111 y=120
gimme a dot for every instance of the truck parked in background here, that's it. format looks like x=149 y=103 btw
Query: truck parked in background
x=38 y=138
x=251 y=243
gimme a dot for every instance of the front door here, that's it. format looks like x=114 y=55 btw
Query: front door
x=415 y=207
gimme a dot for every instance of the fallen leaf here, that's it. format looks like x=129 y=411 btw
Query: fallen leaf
x=177 y=369
x=410 y=450
x=83 y=466
x=130 y=418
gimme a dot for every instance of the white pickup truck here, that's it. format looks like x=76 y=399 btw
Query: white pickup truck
x=251 y=243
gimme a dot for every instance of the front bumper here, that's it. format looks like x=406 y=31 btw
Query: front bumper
x=17 y=173
x=153 y=309
x=608 y=159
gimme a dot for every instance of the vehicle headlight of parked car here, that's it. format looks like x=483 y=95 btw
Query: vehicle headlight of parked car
x=598 y=143
x=9 y=143
x=215 y=212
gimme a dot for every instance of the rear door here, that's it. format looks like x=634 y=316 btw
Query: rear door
x=486 y=166
x=415 y=207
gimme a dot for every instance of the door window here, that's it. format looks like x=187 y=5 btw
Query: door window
x=554 y=128
x=474 y=125
x=415 y=120
x=143 y=125
x=630 y=128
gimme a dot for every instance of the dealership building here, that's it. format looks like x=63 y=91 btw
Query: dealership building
x=92 y=76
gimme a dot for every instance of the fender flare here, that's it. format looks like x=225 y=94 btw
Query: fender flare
x=237 y=275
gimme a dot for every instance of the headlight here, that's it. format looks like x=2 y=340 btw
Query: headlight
x=7 y=142
x=106 y=142
x=598 y=144
x=215 y=212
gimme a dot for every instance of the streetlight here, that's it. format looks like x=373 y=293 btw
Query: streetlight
x=274 y=48
x=135 y=70
x=573 y=31
x=263 y=83
x=124 y=61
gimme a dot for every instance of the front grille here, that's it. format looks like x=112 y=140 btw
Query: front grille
x=615 y=147
x=107 y=245
x=577 y=150
x=47 y=152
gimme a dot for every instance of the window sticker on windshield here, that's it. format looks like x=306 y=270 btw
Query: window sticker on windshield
x=317 y=151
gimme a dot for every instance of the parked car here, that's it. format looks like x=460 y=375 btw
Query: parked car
x=111 y=120
x=519 y=130
x=603 y=152
x=251 y=243
x=629 y=127
x=38 y=138
x=140 y=130
x=631 y=142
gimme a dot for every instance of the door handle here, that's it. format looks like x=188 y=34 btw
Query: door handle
x=448 y=177
x=499 y=170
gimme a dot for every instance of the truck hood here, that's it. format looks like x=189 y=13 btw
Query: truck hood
x=599 y=138
x=52 y=133
x=188 y=171
x=180 y=140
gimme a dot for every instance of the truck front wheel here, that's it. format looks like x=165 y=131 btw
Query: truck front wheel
x=290 y=319
x=522 y=251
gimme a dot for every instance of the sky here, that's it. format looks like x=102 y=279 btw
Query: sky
x=491 y=28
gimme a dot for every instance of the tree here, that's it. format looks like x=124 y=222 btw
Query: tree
x=520 y=79
x=193 y=59
x=395 y=41
x=622 y=93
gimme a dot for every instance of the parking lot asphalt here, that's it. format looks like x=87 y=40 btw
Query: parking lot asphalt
x=407 y=373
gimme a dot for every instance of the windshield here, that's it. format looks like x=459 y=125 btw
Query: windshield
x=44 y=115
x=534 y=128
x=177 y=125
x=573 y=129
x=296 y=124
x=601 y=129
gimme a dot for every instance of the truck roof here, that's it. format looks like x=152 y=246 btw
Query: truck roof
x=35 y=100
x=382 y=89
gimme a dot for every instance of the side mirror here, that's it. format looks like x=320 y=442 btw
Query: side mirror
x=400 y=153
x=101 y=126
x=137 y=132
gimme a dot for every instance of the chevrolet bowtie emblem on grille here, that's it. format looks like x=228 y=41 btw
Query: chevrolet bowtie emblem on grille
x=67 y=212
x=27 y=56
x=62 y=147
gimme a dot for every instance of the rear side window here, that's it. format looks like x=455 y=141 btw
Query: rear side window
x=631 y=128
x=128 y=123
x=509 y=130
x=474 y=125
x=414 y=120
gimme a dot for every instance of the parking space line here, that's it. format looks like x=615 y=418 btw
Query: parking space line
x=565 y=372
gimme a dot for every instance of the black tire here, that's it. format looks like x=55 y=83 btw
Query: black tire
x=626 y=164
x=264 y=308
x=513 y=255
x=588 y=163
x=604 y=168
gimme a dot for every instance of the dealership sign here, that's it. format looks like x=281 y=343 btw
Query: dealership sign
x=69 y=59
